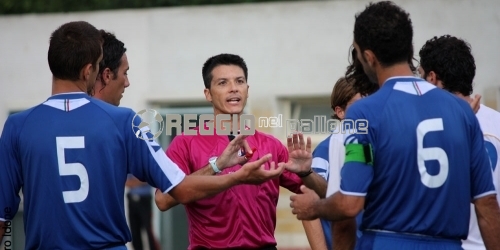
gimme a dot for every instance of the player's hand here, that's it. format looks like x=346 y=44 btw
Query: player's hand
x=231 y=155
x=299 y=154
x=255 y=172
x=475 y=103
x=303 y=204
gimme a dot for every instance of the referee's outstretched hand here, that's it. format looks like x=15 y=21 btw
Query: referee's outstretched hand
x=257 y=172
x=299 y=153
x=232 y=154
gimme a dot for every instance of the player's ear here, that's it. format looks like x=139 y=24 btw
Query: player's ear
x=107 y=75
x=369 y=57
x=86 y=72
x=432 y=78
x=339 y=112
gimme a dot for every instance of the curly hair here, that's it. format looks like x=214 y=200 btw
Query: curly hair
x=451 y=60
x=362 y=83
x=113 y=50
x=386 y=30
x=357 y=76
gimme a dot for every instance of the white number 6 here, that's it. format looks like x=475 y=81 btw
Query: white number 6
x=78 y=169
x=427 y=154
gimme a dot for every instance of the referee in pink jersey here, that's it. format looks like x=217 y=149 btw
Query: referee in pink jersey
x=244 y=216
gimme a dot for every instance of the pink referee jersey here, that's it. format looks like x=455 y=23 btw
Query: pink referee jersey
x=243 y=216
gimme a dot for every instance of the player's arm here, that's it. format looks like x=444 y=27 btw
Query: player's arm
x=314 y=230
x=10 y=175
x=344 y=231
x=339 y=207
x=488 y=218
x=315 y=182
x=315 y=235
x=159 y=171
x=177 y=152
x=2 y=230
x=196 y=187
x=483 y=189
x=344 y=234
x=356 y=174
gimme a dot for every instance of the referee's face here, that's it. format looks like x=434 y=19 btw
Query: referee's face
x=228 y=90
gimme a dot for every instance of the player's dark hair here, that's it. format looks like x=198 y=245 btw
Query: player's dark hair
x=357 y=76
x=386 y=30
x=222 y=59
x=342 y=93
x=72 y=46
x=113 y=50
x=452 y=61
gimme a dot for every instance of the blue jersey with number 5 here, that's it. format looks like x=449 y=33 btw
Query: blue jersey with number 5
x=429 y=160
x=71 y=156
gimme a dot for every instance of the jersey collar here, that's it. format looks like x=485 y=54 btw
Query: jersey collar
x=69 y=95
x=404 y=79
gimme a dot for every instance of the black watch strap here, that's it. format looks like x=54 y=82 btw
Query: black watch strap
x=302 y=175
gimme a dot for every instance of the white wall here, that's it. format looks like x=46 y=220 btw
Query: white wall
x=296 y=48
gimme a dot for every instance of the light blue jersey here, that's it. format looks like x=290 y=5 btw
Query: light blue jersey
x=71 y=156
x=429 y=160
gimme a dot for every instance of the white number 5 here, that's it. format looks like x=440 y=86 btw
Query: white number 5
x=78 y=169
x=427 y=154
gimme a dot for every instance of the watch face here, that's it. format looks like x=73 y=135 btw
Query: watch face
x=212 y=159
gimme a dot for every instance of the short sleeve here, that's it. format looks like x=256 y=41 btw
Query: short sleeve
x=481 y=171
x=10 y=172
x=356 y=173
x=320 y=163
x=148 y=162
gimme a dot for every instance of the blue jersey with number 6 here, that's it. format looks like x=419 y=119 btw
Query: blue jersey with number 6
x=71 y=156
x=429 y=160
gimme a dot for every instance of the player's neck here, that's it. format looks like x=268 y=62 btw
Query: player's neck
x=65 y=86
x=400 y=69
x=466 y=98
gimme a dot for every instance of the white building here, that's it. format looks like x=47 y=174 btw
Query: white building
x=295 y=52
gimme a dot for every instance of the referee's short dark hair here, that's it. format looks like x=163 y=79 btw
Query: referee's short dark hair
x=221 y=59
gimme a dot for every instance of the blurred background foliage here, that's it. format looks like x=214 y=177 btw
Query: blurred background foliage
x=9 y=7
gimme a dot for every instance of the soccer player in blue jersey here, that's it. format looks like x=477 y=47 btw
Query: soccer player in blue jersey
x=111 y=82
x=328 y=158
x=72 y=153
x=448 y=63
x=112 y=79
x=421 y=162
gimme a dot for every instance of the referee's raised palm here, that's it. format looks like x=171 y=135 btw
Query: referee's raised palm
x=299 y=153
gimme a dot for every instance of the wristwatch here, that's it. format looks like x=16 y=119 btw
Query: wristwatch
x=213 y=163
